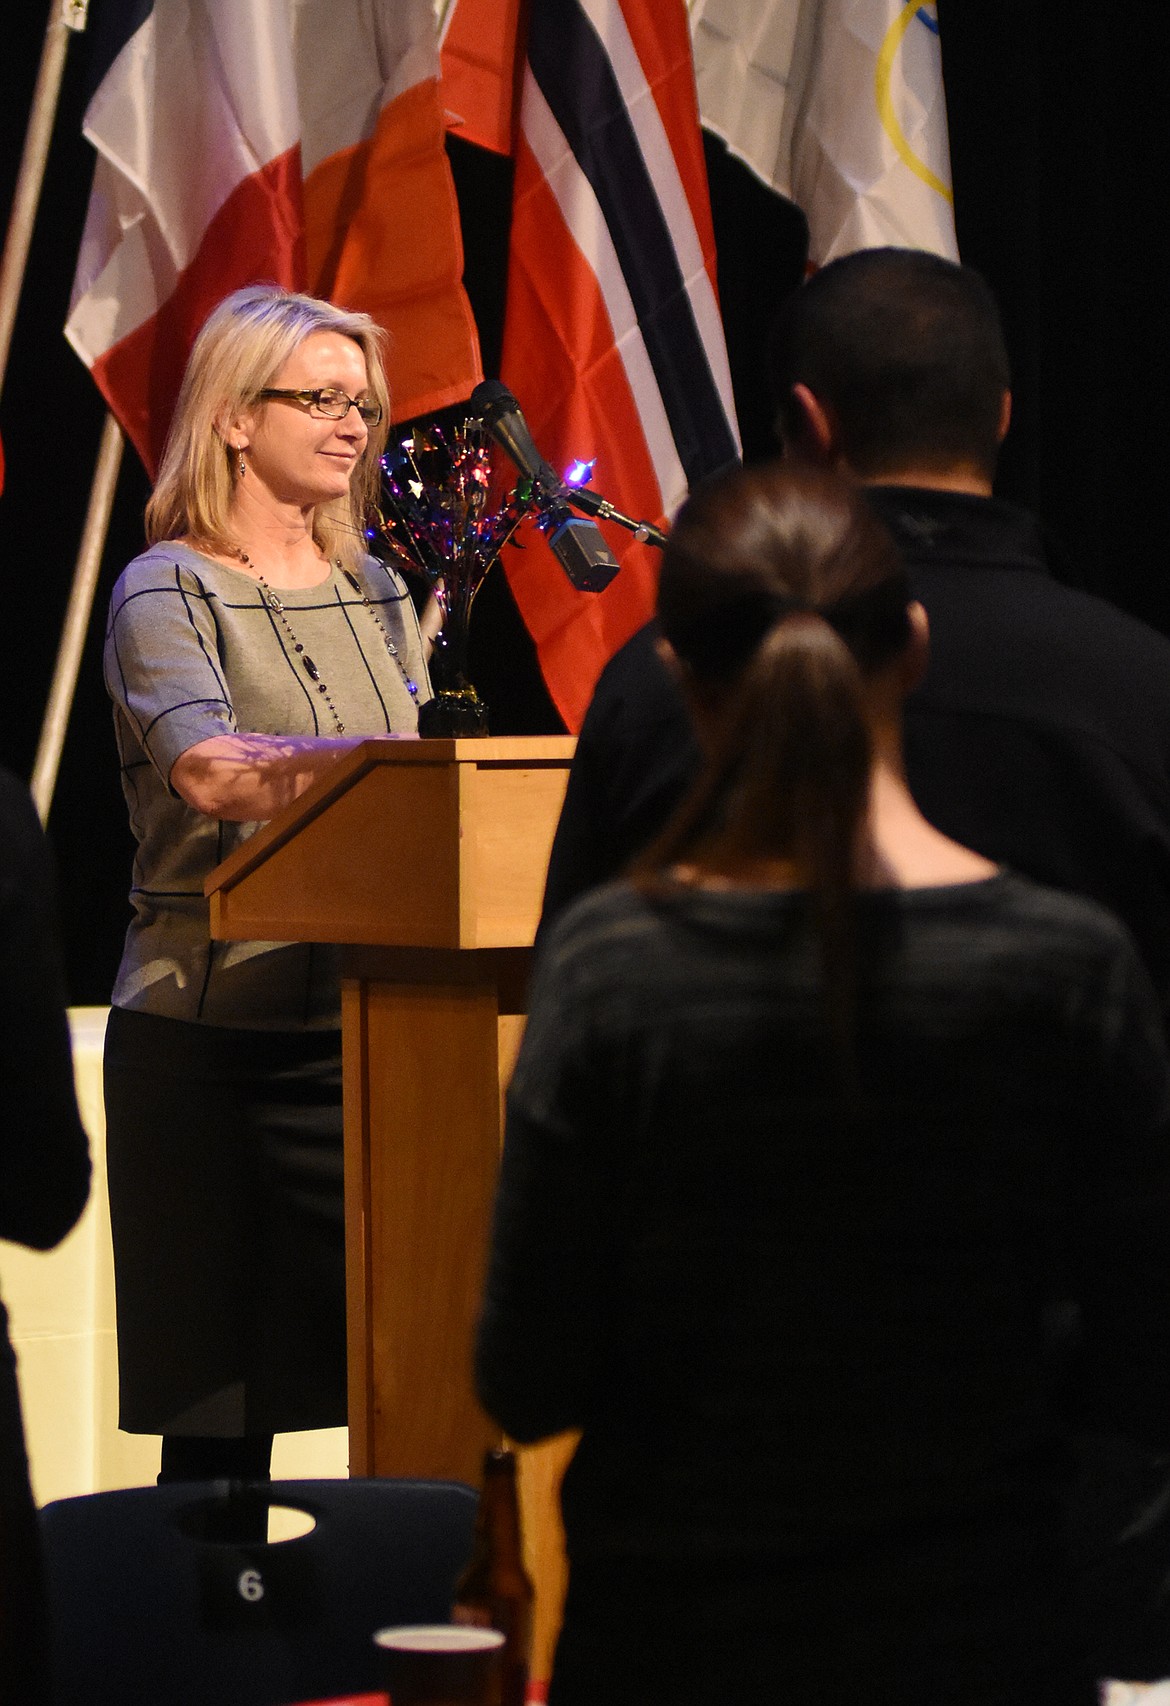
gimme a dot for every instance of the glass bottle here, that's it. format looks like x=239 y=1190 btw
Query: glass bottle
x=495 y=1590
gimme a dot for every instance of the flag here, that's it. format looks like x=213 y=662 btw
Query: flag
x=613 y=343
x=482 y=58
x=839 y=105
x=293 y=141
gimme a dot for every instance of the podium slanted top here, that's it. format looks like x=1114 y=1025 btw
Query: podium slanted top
x=404 y=843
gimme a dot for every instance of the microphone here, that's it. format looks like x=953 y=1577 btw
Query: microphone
x=581 y=551
x=576 y=543
x=500 y=413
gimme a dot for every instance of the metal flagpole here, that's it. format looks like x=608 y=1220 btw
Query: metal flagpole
x=66 y=17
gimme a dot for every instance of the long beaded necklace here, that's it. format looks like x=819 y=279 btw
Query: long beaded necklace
x=314 y=674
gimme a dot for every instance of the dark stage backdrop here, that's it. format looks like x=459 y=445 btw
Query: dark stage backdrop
x=1058 y=189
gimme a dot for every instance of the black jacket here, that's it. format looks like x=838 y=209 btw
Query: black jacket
x=1040 y=736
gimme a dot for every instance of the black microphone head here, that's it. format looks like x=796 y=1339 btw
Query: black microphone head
x=501 y=415
x=491 y=399
x=578 y=544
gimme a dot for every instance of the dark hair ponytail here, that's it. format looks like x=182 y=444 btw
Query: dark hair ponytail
x=780 y=593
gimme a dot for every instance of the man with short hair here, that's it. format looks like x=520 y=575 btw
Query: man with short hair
x=1041 y=734
x=897 y=357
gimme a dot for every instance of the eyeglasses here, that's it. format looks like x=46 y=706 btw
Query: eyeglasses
x=332 y=402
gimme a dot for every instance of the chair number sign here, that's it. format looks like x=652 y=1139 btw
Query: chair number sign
x=250 y=1585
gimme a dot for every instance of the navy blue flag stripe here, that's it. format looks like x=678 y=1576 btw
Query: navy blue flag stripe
x=574 y=74
x=111 y=24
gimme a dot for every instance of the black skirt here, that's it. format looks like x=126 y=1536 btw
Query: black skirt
x=224 y=1155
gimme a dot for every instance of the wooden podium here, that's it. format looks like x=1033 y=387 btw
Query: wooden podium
x=425 y=860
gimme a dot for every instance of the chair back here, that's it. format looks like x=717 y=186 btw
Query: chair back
x=174 y=1594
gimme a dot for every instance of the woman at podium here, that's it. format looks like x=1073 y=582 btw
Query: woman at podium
x=251 y=644
x=818 y=1121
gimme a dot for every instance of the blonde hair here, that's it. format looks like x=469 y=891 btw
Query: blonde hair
x=242 y=346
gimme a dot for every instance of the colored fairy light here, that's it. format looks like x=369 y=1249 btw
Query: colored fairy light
x=579 y=473
x=442 y=513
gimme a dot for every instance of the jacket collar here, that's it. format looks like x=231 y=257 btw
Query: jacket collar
x=944 y=528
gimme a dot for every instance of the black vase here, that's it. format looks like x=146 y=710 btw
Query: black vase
x=456 y=711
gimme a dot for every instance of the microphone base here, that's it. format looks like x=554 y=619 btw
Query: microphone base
x=453 y=714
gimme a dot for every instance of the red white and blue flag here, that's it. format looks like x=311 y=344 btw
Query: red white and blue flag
x=295 y=141
x=613 y=342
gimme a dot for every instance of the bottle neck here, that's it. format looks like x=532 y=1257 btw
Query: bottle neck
x=499 y=1505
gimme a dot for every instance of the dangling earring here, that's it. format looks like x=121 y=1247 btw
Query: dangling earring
x=241 y=464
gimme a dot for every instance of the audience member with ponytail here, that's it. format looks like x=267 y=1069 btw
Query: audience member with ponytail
x=817 y=1118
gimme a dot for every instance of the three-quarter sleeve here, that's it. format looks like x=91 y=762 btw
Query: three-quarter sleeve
x=162 y=663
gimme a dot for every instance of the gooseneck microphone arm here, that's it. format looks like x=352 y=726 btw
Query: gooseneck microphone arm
x=590 y=502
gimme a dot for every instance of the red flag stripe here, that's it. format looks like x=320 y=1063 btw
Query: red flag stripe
x=483 y=66
x=613 y=341
x=667 y=138
x=545 y=162
x=368 y=249
x=663 y=59
x=201 y=192
x=139 y=375
x=582 y=405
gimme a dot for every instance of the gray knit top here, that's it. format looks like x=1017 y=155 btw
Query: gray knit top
x=194 y=650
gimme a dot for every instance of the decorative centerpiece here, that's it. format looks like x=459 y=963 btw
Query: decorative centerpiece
x=448 y=512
